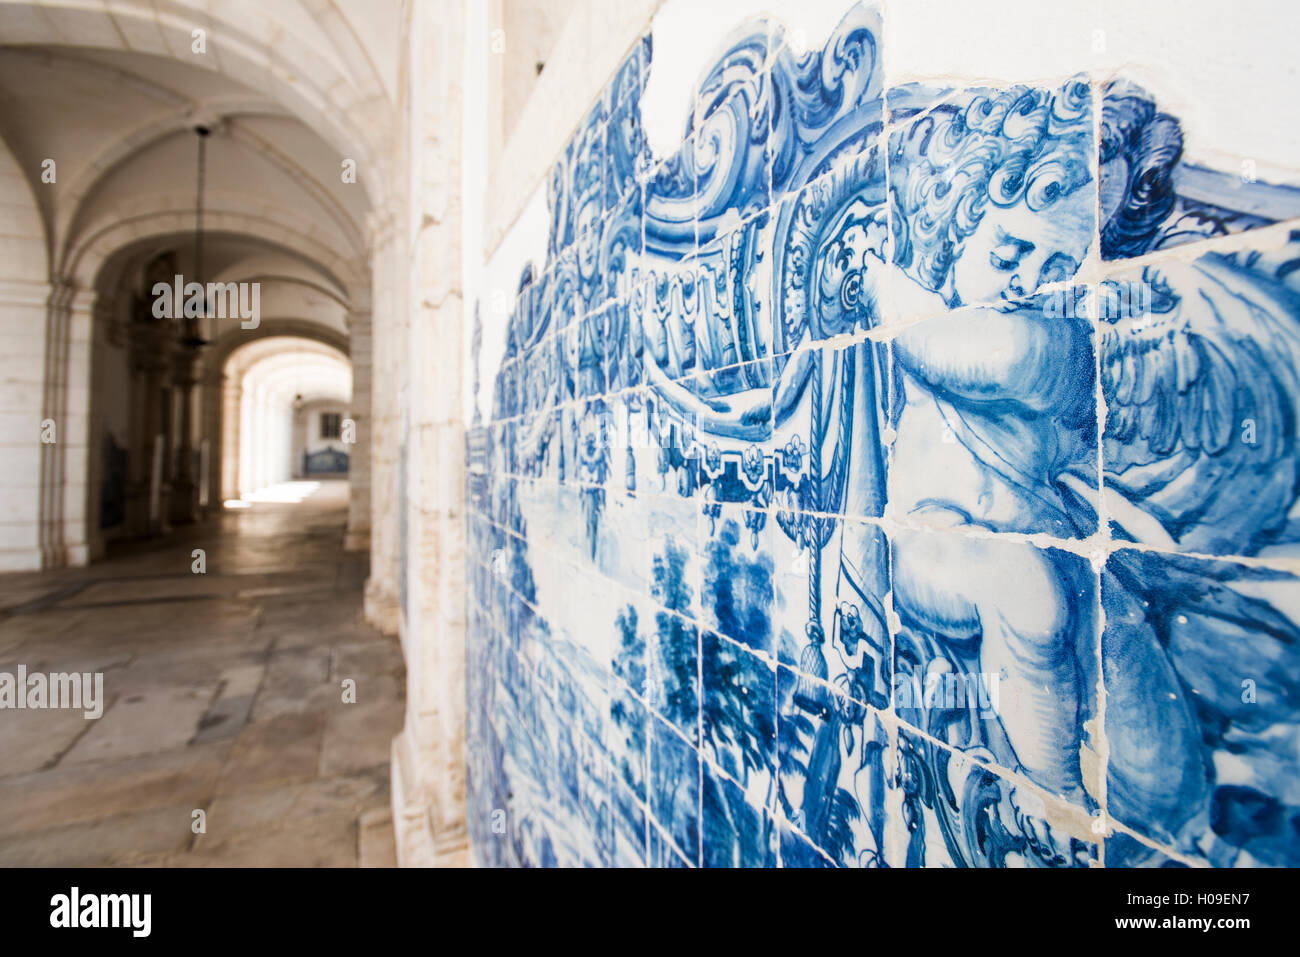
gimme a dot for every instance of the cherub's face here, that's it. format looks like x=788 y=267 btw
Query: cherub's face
x=1014 y=250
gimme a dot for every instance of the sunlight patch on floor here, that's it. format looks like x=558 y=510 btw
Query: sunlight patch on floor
x=282 y=492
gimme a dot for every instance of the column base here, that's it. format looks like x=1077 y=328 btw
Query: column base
x=381 y=608
x=76 y=555
x=183 y=508
x=417 y=844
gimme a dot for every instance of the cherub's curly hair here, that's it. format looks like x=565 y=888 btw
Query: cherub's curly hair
x=1149 y=144
x=947 y=168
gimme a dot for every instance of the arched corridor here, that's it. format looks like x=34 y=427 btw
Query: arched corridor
x=199 y=209
x=284 y=414
x=168 y=173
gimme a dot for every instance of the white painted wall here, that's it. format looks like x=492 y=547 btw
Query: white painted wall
x=307 y=430
x=24 y=293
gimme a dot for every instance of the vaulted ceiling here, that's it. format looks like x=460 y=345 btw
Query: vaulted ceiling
x=290 y=90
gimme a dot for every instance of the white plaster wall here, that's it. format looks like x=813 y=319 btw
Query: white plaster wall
x=24 y=293
x=306 y=431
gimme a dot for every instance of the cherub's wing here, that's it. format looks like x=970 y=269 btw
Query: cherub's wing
x=1188 y=377
x=1199 y=373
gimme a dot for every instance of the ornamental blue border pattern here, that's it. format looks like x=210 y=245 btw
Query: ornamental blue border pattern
x=847 y=499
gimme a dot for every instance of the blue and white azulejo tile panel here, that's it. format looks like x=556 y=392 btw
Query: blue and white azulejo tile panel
x=888 y=477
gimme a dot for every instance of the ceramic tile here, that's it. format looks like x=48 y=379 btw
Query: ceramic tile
x=991 y=196
x=736 y=597
x=674 y=564
x=833 y=779
x=662 y=853
x=621 y=346
x=733 y=328
x=672 y=646
x=1200 y=661
x=961 y=455
x=735 y=832
x=1007 y=670
x=675 y=791
x=626 y=741
x=628 y=838
x=738 y=716
x=798 y=851
x=731 y=129
x=813 y=119
x=957 y=812
x=1199 y=375
x=1123 y=850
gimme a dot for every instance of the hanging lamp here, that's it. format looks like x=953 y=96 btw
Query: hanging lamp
x=193 y=337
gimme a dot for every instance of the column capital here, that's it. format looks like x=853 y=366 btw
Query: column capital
x=62 y=289
x=381 y=225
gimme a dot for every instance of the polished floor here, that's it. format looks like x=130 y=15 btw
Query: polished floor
x=224 y=693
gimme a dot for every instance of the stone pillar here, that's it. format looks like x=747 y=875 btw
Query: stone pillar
x=227 y=453
x=247 y=440
x=429 y=754
x=185 y=483
x=76 y=434
x=66 y=404
x=387 y=348
x=213 y=430
x=106 y=329
x=150 y=365
x=262 y=425
x=360 y=352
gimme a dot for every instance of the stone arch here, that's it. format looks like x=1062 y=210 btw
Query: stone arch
x=122 y=150
x=272 y=360
x=312 y=64
x=216 y=397
x=221 y=350
x=93 y=271
x=169 y=215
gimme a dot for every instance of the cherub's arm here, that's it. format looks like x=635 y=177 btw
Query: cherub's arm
x=990 y=354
